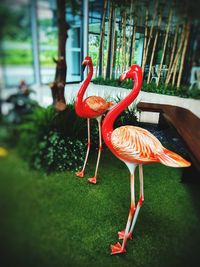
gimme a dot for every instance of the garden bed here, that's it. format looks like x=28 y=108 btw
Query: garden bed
x=44 y=98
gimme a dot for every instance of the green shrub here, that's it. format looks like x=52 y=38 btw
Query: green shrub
x=195 y=93
x=57 y=154
x=113 y=82
x=55 y=141
x=34 y=127
x=127 y=117
x=183 y=91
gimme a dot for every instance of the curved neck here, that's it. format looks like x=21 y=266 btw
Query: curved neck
x=85 y=84
x=110 y=118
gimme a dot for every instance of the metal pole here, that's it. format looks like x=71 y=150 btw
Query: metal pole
x=35 y=44
x=85 y=29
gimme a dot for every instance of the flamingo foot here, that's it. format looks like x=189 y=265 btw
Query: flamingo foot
x=92 y=180
x=121 y=235
x=80 y=174
x=117 y=249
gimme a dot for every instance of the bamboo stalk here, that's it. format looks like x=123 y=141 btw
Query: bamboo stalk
x=113 y=43
x=175 y=70
x=109 y=42
x=165 y=44
x=173 y=50
x=145 y=38
x=133 y=41
x=134 y=22
x=183 y=54
x=176 y=57
x=101 y=46
x=114 y=57
x=150 y=34
x=130 y=31
x=119 y=51
x=154 y=47
x=124 y=41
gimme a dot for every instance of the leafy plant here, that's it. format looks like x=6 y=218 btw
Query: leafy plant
x=127 y=117
x=195 y=93
x=113 y=82
x=153 y=88
x=57 y=154
x=55 y=141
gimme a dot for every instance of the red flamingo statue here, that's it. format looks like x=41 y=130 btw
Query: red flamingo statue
x=134 y=146
x=91 y=107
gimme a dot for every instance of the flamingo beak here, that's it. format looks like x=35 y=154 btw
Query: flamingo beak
x=123 y=76
x=83 y=66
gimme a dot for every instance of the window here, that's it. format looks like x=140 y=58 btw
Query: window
x=16 y=42
x=29 y=41
x=48 y=40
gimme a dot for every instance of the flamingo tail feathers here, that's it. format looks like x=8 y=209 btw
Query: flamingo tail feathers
x=172 y=159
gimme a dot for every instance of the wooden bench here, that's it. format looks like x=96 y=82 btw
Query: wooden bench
x=187 y=126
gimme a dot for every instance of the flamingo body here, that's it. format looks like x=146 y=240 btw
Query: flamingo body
x=137 y=145
x=93 y=107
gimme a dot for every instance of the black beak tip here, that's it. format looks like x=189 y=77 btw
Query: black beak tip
x=83 y=67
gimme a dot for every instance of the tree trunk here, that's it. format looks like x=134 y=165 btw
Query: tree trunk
x=154 y=48
x=124 y=42
x=101 y=46
x=110 y=39
x=145 y=38
x=58 y=86
x=176 y=58
x=187 y=33
x=150 y=34
x=165 y=44
x=173 y=50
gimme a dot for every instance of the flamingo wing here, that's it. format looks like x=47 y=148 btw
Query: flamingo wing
x=135 y=144
x=97 y=104
x=138 y=145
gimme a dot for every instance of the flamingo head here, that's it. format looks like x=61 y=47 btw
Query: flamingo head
x=87 y=61
x=129 y=74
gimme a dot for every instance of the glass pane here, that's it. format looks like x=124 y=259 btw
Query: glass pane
x=73 y=55
x=16 y=52
x=47 y=40
x=75 y=35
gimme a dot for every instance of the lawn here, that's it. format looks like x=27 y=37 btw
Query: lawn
x=61 y=220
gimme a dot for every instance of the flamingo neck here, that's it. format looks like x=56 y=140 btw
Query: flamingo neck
x=81 y=92
x=107 y=127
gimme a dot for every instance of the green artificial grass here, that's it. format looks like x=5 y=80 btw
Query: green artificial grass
x=61 y=220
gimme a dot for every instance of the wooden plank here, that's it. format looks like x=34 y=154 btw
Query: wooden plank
x=184 y=121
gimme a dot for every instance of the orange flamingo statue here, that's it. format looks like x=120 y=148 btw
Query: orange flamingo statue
x=134 y=146
x=91 y=107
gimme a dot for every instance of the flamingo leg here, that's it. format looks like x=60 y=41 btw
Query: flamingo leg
x=139 y=204
x=118 y=248
x=140 y=201
x=81 y=173
x=94 y=179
